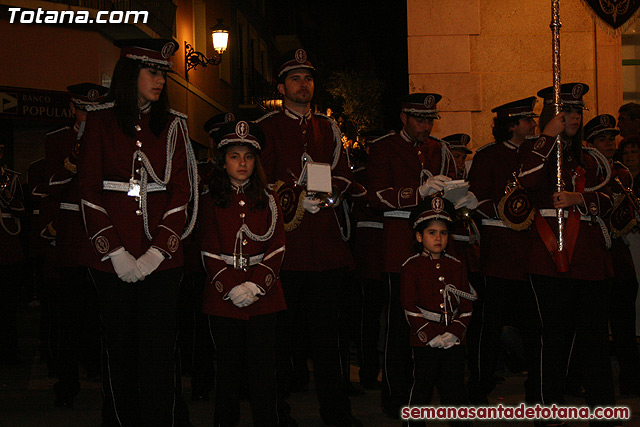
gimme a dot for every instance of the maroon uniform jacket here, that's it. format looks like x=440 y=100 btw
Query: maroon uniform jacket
x=591 y=259
x=112 y=218
x=422 y=284
x=218 y=231
x=395 y=170
x=622 y=261
x=503 y=249
x=64 y=193
x=11 y=210
x=317 y=243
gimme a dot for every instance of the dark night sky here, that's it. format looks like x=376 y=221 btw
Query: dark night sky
x=356 y=34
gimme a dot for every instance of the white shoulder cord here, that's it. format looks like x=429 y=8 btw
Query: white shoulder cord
x=244 y=229
x=602 y=162
x=445 y=158
x=172 y=137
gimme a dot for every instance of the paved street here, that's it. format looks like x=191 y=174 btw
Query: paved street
x=26 y=397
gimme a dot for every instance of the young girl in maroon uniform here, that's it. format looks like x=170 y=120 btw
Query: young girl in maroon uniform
x=436 y=297
x=242 y=245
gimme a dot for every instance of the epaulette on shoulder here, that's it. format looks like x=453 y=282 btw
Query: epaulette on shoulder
x=177 y=113
x=269 y=114
x=485 y=146
x=453 y=258
x=58 y=130
x=409 y=259
x=390 y=133
x=98 y=107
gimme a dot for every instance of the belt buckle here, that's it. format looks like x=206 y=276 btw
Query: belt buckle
x=240 y=262
x=134 y=188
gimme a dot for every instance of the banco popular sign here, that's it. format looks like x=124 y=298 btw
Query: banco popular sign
x=23 y=103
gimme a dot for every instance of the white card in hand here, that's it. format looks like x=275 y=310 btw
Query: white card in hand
x=318 y=177
x=455 y=190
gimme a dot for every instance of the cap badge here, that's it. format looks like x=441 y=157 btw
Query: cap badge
x=242 y=129
x=168 y=50
x=604 y=121
x=437 y=204
x=429 y=101
x=577 y=91
x=464 y=139
x=301 y=56
x=93 y=94
x=229 y=117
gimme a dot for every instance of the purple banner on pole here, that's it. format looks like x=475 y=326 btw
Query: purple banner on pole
x=614 y=13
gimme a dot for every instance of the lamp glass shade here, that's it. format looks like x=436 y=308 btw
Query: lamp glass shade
x=220 y=39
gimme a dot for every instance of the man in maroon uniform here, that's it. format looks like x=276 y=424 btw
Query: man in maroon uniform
x=503 y=249
x=317 y=256
x=403 y=169
x=600 y=133
x=73 y=299
x=11 y=209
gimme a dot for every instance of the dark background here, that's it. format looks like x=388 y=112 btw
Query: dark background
x=351 y=34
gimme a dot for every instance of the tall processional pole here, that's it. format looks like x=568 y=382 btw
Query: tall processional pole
x=555 y=31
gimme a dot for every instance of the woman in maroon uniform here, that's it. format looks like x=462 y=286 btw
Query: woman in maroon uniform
x=136 y=176
x=242 y=242
x=570 y=287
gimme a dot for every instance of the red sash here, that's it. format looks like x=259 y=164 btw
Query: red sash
x=562 y=259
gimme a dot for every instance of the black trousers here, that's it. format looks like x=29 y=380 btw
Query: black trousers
x=313 y=300
x=76 y=308
x=566 y=308
x=10 y=284
x=441 y=369
x=502 y=302
x=623 y=330
x=141 y=378
x=371 y=305
x=397 y=366
x=197 y=347
x=252 y=341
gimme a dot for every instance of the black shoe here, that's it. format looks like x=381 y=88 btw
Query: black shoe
x=350 y=421
x=199 y=396
x=370 y=384
x=352 y=390
x=63 y=401
x=391 y=411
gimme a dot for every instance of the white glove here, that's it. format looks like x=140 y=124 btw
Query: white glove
x=469 y=201
x=437 y=342
x=310 y=204
x=125 y=266
x=433 y=185
x=449 y=340
x=149 y=261
x=244 y=294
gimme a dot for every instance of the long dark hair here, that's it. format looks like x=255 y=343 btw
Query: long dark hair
x=124 y=92
x=220 y=185
x=575 y=147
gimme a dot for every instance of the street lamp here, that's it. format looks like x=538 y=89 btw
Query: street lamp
x=193 y=58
